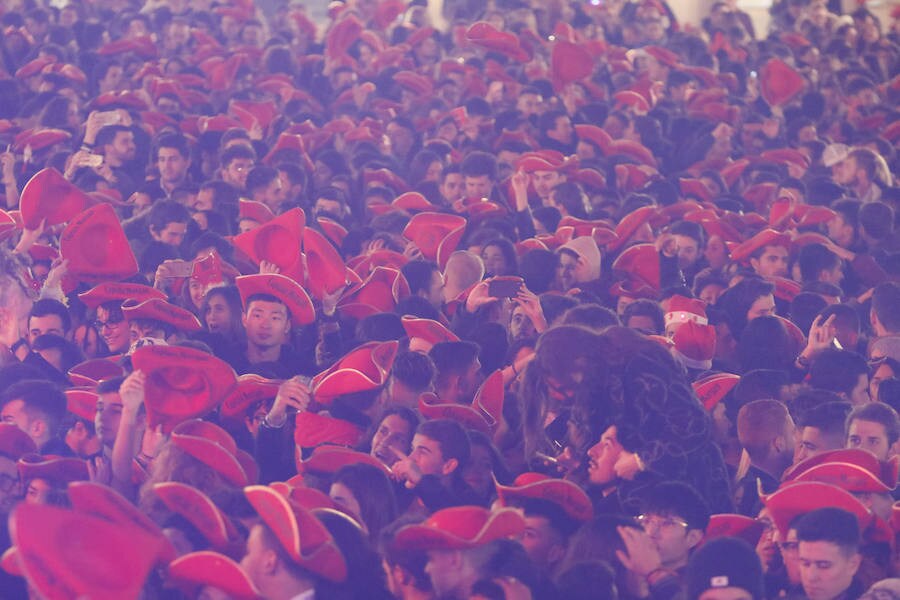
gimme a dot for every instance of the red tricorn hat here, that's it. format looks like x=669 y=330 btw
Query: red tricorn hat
x=38 y=139
x=569 y=62
x=461 y=528
x=326 y=269
x=278 y=242
x=595 y=135
x=102 y=501
x=15 y=443
x=200 y=511
x=884 y=470
x=362 y=369
x=429 y=332
x=766 y=237
x=486 y=36
x=193 y=571
x=363 y=265
x=211 y=270
x=182 y=383
x=55 y=469
x=301 y=534
x=732 y=525
x=58 y=564
x=329 y=460
x=213 y=446
x=484 y=414
x=641 y=264
x=333 y=230
x=695 y=344
x=96 y=247
x=847 y=476
x=565 y=494
x=91 y=372
x=82 y=403
x=165 y=312
x=254 y=211
x=291 y=293
x=313 y=429
x=796 y=499
x=779 y=83
x=119 y=292
x=379 y=292
x=49 y=196
x=428 y=230
x=629 y=225
x=250 y=390
x=696 y=188
x=712 y=389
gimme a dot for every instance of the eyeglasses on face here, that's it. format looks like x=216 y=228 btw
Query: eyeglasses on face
x=659 y=523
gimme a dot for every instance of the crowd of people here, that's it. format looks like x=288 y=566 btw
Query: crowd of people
x=552 y=299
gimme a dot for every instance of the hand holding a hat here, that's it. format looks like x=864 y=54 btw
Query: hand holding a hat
x=519 y=181
x=641 y=555
x=268 y=268
x=132 y=393
x=330 y=301
x=406 y=470
x=29 y=238
x=293 y=393
x=58 y=269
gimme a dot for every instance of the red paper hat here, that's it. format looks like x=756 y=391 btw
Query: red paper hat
x=66 y=71
x=581 y=228
x=312 y=429
x=633 y=100
x=886 y=471
x=254 y=211
x=461 y=528
x=200 y=511
x=162 y=311
x=846 y=476
x=731 y=525
x=34 y=67
x=341 y=36
x=630 y=223
x=428 y=230
x=182 y=383
x=329 y=460
x=419 y=84
x=779 y=83
x=595 y=135
x=82 y=403
x=96 y=247
x=484 y=414
x=250 y=390
x=263 y=111
x=363 y=369
x=304 y=497
x=364 y=265
x=733 y=171
x=380 y=292
x=565 y=494
x=766 y=237
x=291 y=293
x=712 y=389
x=101 y=501
x=55 y=469
x=327 y=272
x=333 y=230
x=413 y=202
x=786 y=156
x=196 y=570
x=696 y=188
x=385 y=177
x=93 y=371
x=48 y=196
x=696 y=344
x=301 y=534
x=57 y=564
x=812 y=216
x=796 y=499
x=640 y=262
x=38 y=139
x=143 y=46
x=431 y=332
x=542 y=160
x=663 y=55
x=277 y=241
x=211 y=270
x=9 y=562
x=633 y=150
x=486 y=36
x=15 y=443
x=682 y=310
x=287 y=141
x=119 y=292
x=211 y=445
x=569 y=62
